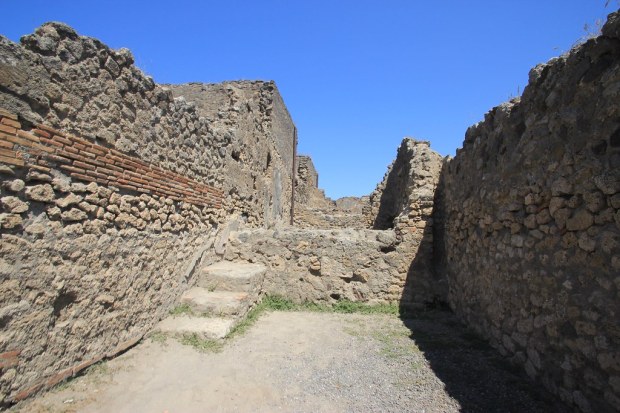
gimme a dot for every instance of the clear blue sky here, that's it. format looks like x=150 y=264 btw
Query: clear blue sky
x=356 y=75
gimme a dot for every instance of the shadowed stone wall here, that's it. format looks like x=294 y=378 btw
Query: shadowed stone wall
x=530 y=225
x=404 y=201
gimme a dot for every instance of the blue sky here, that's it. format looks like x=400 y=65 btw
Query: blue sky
x=356 y=75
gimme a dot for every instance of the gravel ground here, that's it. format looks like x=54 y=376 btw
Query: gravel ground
x=309 y=362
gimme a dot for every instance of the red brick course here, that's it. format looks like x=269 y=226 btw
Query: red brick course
x=62 y=375
x=91 y=162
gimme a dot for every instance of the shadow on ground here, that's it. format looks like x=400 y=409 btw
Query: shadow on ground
x=473 y=373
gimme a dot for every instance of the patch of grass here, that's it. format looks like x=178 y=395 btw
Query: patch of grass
x=64 y=385
x=436 y=340
x=248 y=320
x=181 y=309
x=100 y=368
x=277 y=303
x=201 y=344
x=159 y=337
x=350 y=307
x=98 y=372
x=395 y=342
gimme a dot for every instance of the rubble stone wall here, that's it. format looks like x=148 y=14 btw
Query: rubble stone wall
x=530 y=225
x=259 y=132
x=95 y=246
x=404 y=201
x=307 y=180
x=322 y=265
x=111 y=193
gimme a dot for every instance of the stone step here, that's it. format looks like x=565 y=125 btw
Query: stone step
x=202 y=301
x=207 y=328
x=232 y=276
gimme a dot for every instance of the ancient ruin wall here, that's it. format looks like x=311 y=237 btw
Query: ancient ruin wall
x=306 y=182
x=530 y=225
x=322 y=265
x=404 y=201
x=259 y=132
x=95 y=246
x=111 y=193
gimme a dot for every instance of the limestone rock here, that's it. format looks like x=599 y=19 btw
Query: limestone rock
x=40 y=193
x=68 y=200
x=74 y=214
x=15 y=185
x=10 y=221
x=13 y=205
x=580 y=221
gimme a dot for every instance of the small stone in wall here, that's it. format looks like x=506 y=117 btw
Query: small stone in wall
x=53 y=213
x=61 y=184
x=15 y=185
x=86 y=207
x=561 y=215
x=40 y=193
x=6 y=170
x=38 y=176
x=74 y=214
x=10 y=221
x=580 y=221
x=105 y=299
x=609 y=183
x=561 y=186
x=14 y=205
x=315 y=264
x=70 y=199
x=586 y=243
x=35 y=229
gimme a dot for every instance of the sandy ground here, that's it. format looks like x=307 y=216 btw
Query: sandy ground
x=308 y=362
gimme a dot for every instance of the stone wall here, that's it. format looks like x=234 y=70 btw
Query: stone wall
x=404 y=201
x=320 y=265
x=259 y=132
x=95 y=246
x=307 y=181
x=111 y=193
x=530 y=225
x=315 y=210
x=78 y=85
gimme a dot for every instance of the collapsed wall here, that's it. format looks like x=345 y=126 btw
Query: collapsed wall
x=404 y=201
x=530 y=225
x=111 y=194
x=307 y=183
x=314 y=210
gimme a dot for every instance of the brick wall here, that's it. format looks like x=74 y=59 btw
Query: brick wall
x=95 y=246
x=43 y=148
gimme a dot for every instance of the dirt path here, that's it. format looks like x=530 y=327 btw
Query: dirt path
x=308 y=362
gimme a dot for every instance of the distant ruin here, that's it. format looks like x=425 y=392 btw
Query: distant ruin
x=121 y=197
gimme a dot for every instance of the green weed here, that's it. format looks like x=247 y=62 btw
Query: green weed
x=277 y=303
x=201 y=344
x=158 y=337
x=181 y=309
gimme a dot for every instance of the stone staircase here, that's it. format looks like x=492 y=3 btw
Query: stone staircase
x=224 y=294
